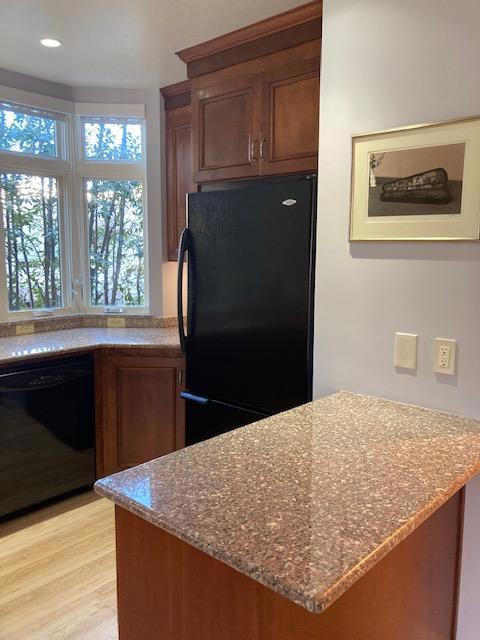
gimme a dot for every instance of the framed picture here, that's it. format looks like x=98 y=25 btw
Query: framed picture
x=417 y=183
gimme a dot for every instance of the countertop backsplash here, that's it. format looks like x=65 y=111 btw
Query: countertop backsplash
x=79 y=321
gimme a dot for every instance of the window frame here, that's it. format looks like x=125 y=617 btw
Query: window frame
x=113 y=120
x=110 y=170
x=71 y=170
x=47 y=166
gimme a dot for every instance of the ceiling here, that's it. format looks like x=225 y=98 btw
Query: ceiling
x=117 y=43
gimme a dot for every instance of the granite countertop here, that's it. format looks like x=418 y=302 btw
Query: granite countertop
x=307 y=501
x=36 y=345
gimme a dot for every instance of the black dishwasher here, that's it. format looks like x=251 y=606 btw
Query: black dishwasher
x=47 y=432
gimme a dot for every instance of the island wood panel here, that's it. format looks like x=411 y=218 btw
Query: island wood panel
x=179 y=173
x=168 y=589
x=142 y=412
x=411 y=594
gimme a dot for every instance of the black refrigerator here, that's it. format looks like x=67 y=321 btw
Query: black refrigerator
x=248 y=341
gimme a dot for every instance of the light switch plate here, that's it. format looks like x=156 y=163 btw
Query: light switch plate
x=406 y=345
x=445 y=352
x=116 y=323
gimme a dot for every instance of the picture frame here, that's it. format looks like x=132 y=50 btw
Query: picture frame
x=420 y=182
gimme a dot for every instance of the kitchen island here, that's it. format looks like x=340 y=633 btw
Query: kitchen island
x=338 y=520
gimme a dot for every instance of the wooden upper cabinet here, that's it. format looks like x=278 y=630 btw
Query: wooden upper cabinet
x=178 y=133
x=179 y=173
x=259 y=123
x=291 y=108
x=226 y=119
x=255 y=98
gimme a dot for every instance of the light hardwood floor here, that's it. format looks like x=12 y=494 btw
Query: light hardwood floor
x=57 y=573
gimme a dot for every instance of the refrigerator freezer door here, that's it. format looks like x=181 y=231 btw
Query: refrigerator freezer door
x=250 y=281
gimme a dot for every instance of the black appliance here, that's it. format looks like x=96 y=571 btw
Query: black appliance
x=249 y=335
x=47 y=432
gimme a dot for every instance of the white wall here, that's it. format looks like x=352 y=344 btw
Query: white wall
x=387 y=64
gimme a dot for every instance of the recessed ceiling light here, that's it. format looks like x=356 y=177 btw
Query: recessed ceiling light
x=50 y=42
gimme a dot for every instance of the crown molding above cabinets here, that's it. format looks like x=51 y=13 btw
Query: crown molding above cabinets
x=282 y=31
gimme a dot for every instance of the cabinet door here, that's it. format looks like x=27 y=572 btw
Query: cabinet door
x=226 y=125
x=291 y=110
x=179 y=173
x=143 y=415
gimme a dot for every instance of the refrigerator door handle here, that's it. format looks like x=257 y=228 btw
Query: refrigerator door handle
x=186 y=395
x=182 y=249
x=193 y=397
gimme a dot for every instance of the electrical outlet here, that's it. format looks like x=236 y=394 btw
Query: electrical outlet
x=444 y=359
x=445 y=351
x=24 y=329
x=116 y=323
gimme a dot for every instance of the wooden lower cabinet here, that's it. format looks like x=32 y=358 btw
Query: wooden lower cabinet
x=139 y=409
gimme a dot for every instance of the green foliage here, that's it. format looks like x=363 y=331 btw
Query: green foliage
x=30 y=218
x=115 y=217
x=115 y=140
x=25 y=133
x=115 y=224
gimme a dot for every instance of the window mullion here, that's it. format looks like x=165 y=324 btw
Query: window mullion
x=14 y=163
x=3 y=269
x=74 y=222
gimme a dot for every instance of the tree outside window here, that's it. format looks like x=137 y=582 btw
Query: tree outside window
x=32 y=247
x=115 y=214
x=115 y=231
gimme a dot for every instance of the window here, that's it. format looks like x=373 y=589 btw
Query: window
x=32 y=243
x=72 y=203
x=32 y=176
x=115 y=235
x=27 y=131
x=113 y=174
x=112 y=139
